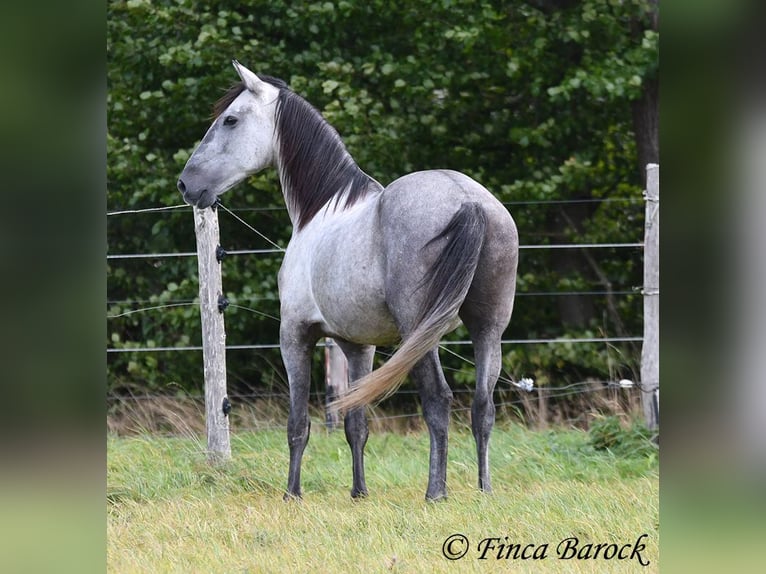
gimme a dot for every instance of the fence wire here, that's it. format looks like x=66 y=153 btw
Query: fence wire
x=241 y=422
x=504 y=385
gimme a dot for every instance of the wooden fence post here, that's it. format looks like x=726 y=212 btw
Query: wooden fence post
x=212 y=303
x=336 y=380
x=650 y=353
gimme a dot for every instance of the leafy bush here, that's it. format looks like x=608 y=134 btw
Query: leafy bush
x=633 y=440
x=535 y=104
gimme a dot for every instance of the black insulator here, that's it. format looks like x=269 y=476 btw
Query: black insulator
x=223 y=302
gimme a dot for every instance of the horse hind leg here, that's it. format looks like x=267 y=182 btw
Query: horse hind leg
x=359 y=359
x=488 y=356
x=436 y=399
x=486 y=313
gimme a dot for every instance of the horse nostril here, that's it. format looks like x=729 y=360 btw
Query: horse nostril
x=181 y=186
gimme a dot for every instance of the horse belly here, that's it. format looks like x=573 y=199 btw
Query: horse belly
x=351 y=299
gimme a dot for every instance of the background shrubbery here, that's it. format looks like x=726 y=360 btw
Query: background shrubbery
x=540 y=101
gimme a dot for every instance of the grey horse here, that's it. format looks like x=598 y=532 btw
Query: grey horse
x=368 y=265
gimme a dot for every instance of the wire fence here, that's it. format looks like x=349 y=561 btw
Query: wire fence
x=260 y=347
x=628 y=388
x=280 y=250
x=247 y=416
x=277 y=249
x=591 y=200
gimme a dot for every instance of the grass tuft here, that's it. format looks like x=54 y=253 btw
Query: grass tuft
x=633 y=439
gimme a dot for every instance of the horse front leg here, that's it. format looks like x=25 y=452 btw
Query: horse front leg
x=359 y=359
x=296 y=355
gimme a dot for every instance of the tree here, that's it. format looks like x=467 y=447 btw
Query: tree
x=540 y=101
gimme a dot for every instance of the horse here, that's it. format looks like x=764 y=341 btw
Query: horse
x=368 y=266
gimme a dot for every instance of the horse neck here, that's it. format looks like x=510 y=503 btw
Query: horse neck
x=338 y=187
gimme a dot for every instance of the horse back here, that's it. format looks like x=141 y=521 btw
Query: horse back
x=417 y=208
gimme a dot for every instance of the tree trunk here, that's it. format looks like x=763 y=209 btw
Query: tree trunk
x=646 y=109
x=646 y=117
x=576 y=311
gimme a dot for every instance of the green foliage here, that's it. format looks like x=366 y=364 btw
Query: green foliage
x=535 y=104
x=635 y=440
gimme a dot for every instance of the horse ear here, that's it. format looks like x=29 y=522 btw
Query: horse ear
x=252 y=82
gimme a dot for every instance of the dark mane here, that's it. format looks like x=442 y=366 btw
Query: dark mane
x=314 y=163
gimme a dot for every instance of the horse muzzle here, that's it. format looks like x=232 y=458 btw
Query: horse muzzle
x=199 y=198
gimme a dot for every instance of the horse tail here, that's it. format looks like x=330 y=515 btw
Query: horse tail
x=447 y=282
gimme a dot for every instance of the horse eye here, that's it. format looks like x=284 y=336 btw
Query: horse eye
x=229 y=121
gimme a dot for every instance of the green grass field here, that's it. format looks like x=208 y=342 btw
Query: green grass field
x=169 y=511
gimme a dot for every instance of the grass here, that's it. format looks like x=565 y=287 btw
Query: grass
x=169 y=511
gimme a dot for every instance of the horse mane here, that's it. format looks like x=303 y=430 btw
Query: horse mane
x=313 y=160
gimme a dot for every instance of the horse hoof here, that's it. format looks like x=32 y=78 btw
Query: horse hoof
x=289 y=496
x=436 y=497
x=358 y=494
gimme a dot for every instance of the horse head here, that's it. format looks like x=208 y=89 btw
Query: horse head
x=239 y=143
